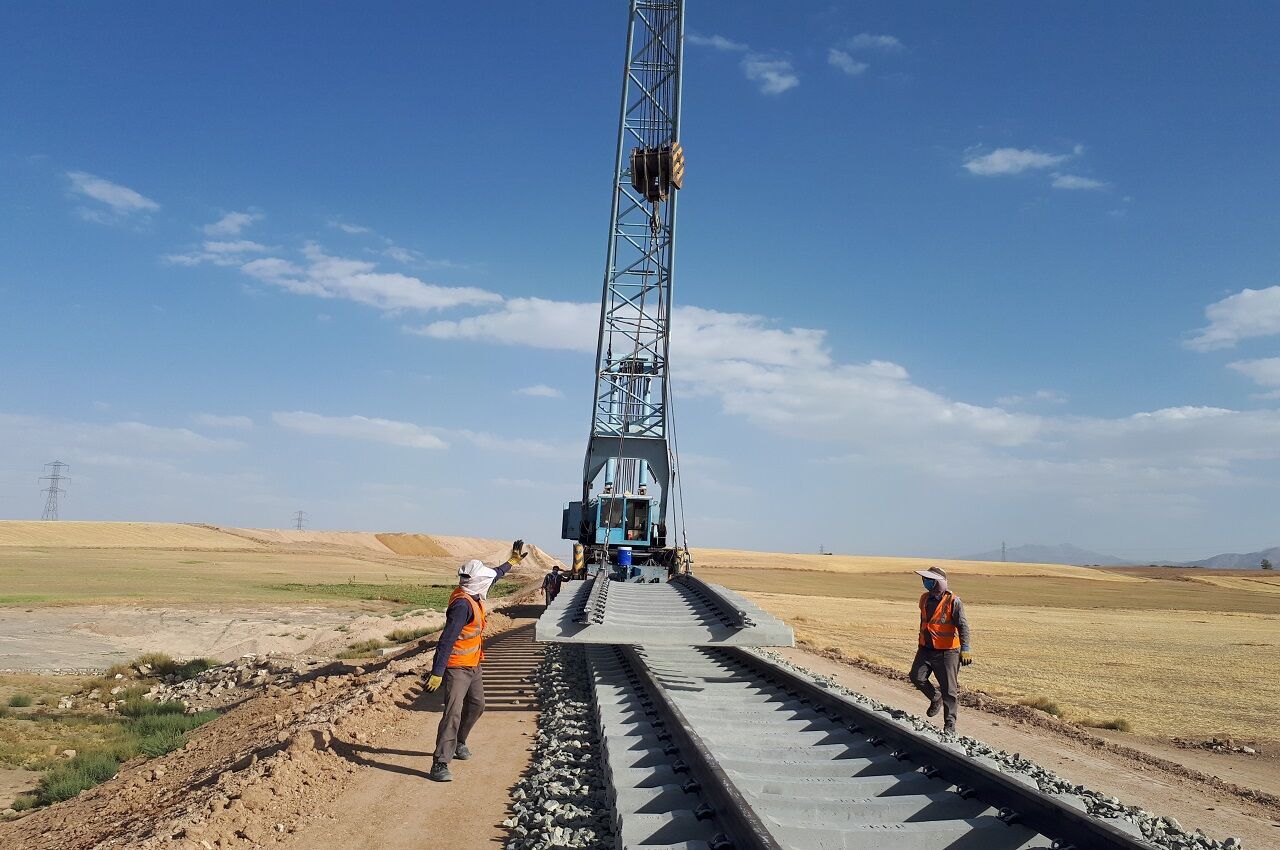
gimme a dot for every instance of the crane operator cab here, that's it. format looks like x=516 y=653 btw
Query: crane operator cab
x=621 y=535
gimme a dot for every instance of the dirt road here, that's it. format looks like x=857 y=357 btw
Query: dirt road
x=389 y=803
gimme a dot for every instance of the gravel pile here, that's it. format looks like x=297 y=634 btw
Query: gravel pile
x=561 y=801
x=220 y=686
x=1161 y=831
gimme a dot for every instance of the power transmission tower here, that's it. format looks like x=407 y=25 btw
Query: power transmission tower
x=1002 y=551
x=300 y=520
x=55 y=479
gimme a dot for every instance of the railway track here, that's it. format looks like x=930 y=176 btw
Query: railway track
x=717 y=748
x=685 y=611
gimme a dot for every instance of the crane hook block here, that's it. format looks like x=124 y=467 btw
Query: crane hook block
x=656 y=171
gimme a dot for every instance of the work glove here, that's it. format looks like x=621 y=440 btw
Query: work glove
x=433 y=683
x=517 y=553
x=966 y=658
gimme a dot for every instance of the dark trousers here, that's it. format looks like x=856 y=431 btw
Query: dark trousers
x=463 y=705
x=944 y=664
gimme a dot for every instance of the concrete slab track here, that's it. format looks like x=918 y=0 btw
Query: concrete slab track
x=682 y=612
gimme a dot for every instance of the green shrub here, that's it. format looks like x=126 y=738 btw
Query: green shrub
x=69 y=779
x=161 y=664
x=21 y=804
x=145 y=708
x=194 y=667
x=1044 y=704
x=20 y=700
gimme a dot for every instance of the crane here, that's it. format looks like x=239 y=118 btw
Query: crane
x=620 y=525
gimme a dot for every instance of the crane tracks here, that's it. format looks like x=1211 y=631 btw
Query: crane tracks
x=711 y=748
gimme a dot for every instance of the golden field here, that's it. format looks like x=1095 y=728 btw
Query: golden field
x=131 y=562
x=1173 y=652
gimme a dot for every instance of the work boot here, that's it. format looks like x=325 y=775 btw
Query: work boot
x=949 y=726
x=440 y=772
x=935 y=705
x=463 y=752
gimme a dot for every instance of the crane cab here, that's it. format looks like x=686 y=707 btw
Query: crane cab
x=621 y=533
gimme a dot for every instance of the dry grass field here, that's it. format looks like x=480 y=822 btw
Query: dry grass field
x=52 y=575
x=1173 y=652
x=117 y=562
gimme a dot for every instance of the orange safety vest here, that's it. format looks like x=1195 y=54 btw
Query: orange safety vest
x=467 y=651
x=939 y=631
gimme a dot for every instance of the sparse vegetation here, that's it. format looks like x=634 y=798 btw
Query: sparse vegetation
x=22 y=803
x=363 y=648
x=423 y=596
x=160 y=664
x=1119 y=724
x=67 y=780
x=409 y=635
x=20 y=700
x=1044 y=704
x=143 y=728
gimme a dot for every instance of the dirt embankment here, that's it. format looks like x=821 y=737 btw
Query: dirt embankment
x=253 y=777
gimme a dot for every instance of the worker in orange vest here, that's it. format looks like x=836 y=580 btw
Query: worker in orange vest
x=457 y=660
x=944 y=646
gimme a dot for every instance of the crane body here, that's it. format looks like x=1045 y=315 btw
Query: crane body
x=621 y=521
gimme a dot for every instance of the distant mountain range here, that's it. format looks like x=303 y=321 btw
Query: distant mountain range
x=1234 y=561
x=1065 y=553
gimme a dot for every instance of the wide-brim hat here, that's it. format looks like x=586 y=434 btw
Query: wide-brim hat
x=935 y=573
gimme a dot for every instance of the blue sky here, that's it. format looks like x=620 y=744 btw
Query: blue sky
x=948 y=275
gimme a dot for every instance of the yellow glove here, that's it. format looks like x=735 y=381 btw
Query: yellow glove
x=965 y=658
x=517 y=553
x=433 y=683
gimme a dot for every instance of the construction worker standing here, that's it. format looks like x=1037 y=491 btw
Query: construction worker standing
x=944 y=646
x=458 y=657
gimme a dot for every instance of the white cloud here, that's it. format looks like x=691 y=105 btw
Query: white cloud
x=401 y=255
x=786 y=380
x=213 y=420
x=231 y=224
x=845 y=62
x=868 y=41
x=326 y=276
x=353 y=229
x=365 y=428
x=1039 y=396
x=1013 y=161
x=395 y=433
x=540 y=391
x=1074 y=181
x=115 y=444
x=535 y=322
x=772 y=74
x=1264 y=372
x=218 y=253
x=121 y=202
x=1249 y=313
x=719 y=42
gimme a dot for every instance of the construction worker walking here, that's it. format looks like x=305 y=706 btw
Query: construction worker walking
x=458 y=657
x=944 y=646
x=551 y=584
